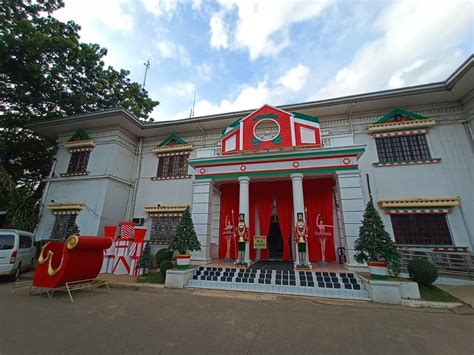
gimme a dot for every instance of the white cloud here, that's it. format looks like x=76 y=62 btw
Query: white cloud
x=113 y=14
x=171 y=50
x=263 y=26
x=417 y=46
x=219 y=37
x=249 y=97
x=204 y=71
x=161 y=7
x=196 y=5
x=296 y=78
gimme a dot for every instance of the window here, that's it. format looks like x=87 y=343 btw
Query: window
x=7 y=241
x=62 y=223
x=78 y=162
x=421 y=229
x=402 y=148
x=25 y=242
x=173 y=166
x=163 y=228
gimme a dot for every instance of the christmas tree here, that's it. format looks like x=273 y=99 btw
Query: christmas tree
x=374 y=242
x=185 y=239
x=146 y=259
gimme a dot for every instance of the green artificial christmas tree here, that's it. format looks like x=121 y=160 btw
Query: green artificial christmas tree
x=374 y=242
x=185 y=239
x=146 y=259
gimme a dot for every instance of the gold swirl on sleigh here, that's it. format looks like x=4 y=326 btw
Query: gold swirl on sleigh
x=71 y=243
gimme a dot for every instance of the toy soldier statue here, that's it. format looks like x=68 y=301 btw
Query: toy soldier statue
x=301 y=234
x=242 y=239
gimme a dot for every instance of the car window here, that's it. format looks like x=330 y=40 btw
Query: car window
x=7 y=241
x=25 y=242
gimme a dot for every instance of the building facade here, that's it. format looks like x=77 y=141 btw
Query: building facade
x=411 y=149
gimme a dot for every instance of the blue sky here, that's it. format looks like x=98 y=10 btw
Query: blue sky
x=240 y=54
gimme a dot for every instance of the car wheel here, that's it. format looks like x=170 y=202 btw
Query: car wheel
x=16 y=275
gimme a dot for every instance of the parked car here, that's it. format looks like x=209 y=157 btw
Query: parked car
x=17 y=252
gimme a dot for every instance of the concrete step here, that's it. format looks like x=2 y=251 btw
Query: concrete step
x=306 y=283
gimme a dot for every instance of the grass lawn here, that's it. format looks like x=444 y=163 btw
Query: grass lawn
x=154 y=277
x=435 y=294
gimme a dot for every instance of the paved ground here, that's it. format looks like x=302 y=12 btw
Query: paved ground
x=464 y=293
x=203 y=322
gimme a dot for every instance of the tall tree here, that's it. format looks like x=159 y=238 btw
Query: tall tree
x=46 y=72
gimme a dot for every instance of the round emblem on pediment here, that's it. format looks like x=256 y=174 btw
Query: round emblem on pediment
x=346 y=161
x=202 y=171
x=296 y=164
x=266 y=130
x=243 y=168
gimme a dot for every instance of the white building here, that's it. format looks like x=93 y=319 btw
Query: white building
x=414 y=145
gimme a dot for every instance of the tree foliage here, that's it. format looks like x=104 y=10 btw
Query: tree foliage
x=46 y=72
x=185 y=239
x=374 y=242
x=21 y=210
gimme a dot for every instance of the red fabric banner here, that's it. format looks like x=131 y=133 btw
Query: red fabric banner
x=318 y=198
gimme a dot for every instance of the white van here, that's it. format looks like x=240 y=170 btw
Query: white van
x=17 y=252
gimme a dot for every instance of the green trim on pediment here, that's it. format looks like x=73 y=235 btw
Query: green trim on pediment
x=79 y=135
x=306 y=117
x=172 y=138
x=231 y=127
x=399 y=112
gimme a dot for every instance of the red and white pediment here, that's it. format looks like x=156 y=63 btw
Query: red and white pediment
x=270 y=128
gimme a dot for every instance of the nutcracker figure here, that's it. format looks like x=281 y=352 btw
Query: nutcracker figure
x=301 y=234
x=242 y=234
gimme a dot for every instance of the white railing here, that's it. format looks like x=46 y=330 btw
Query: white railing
x=334 y=141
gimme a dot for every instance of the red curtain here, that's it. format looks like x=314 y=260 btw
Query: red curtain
x=318 y=199
x=284 y=197
x=229 y=202
x=264 y=208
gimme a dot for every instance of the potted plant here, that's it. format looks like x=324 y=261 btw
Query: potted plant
x=185 y=240
x=375 y=247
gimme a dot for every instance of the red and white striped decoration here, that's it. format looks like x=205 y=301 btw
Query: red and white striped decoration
x=400 y=133
x=430 y=161
x=420 y=211
x=126 y=230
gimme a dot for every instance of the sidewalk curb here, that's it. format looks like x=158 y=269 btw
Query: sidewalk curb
x=430 y=304
x=135 y=286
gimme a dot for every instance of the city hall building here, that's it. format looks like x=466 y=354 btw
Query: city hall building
x=411 y=149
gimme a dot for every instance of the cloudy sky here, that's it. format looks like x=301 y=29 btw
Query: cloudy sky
x=240 y=54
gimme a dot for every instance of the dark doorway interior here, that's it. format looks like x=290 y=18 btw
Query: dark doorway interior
x=275 y=243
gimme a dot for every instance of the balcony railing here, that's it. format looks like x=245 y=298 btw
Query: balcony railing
x=329 y=141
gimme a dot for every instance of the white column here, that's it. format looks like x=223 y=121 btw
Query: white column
x=244 y=208
x=352 y=207
x=298 y=206
x=202 y=216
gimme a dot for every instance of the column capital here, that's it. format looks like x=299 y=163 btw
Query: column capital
x=296 y=176
x=203 y=182
x=244 y=179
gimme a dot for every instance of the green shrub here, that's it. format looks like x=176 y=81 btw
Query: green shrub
x=163 y=254
x=422 y=271
x=164 y=266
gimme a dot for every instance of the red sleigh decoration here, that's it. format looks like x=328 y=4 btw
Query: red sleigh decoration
x=78 y=258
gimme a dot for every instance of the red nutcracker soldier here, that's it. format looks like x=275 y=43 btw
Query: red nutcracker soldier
x=301 y=235
x=242 y=234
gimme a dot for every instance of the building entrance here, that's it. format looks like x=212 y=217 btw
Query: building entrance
x=274 y=240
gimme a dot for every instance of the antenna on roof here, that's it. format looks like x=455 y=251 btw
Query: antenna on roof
x=191 y=113
x=147 y=66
